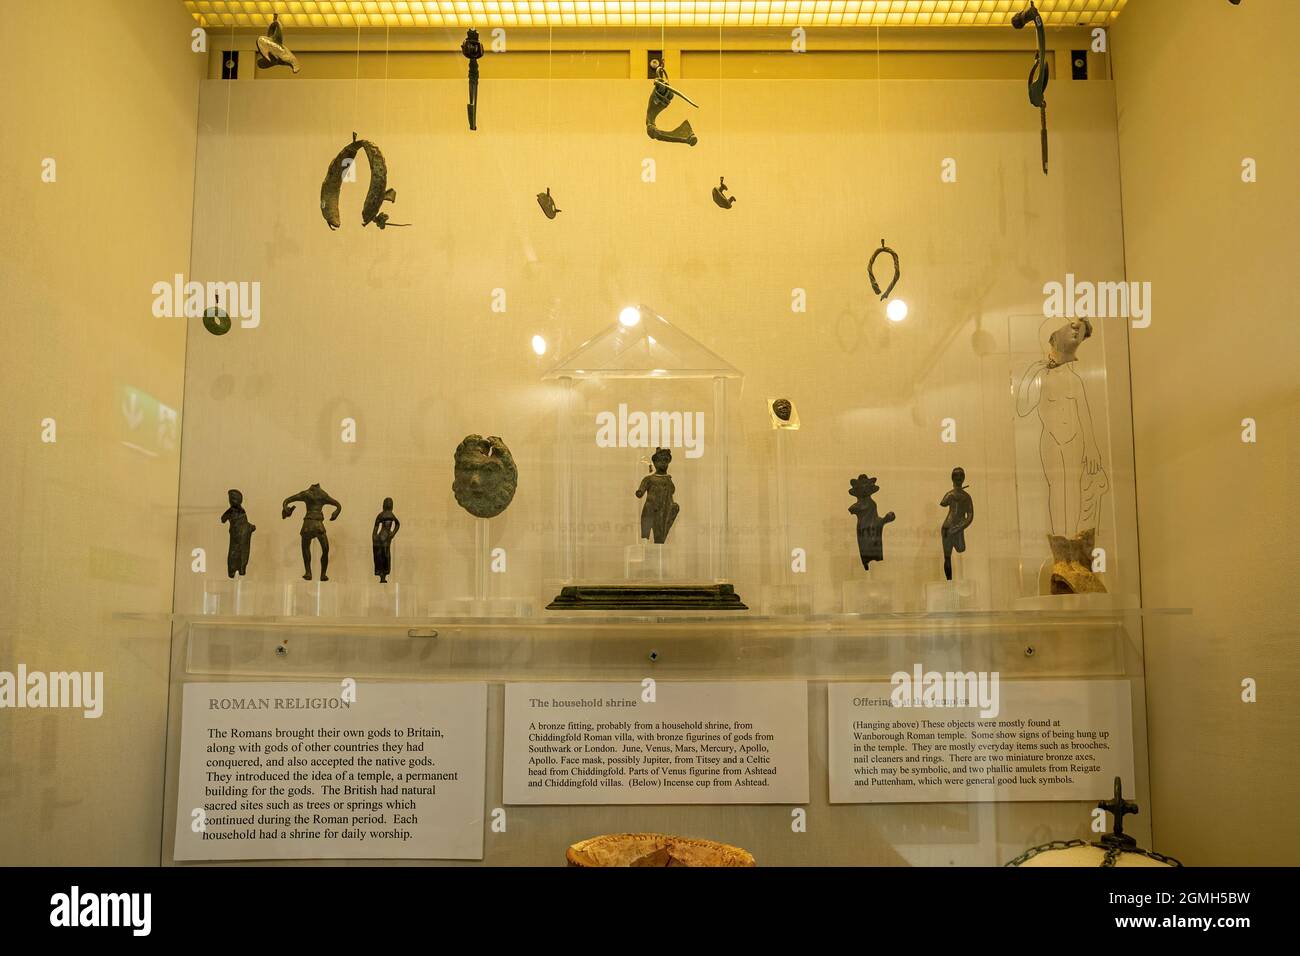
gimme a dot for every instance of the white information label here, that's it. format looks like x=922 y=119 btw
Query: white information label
x=606 y=743
x=331 y=770
x=1049 y=740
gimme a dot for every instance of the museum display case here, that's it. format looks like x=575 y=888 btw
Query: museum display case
x=666 y=443
x=636 y=355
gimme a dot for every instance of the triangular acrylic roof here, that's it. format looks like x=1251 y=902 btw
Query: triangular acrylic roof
x=642 y=344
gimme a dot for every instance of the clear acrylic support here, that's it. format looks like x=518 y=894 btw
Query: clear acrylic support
x=311 y=599
x=868 y=597
x=482 y=603
x=227 y=596
x=786 y=594
x=646 y=561
x=390 y=600
x=951 y=595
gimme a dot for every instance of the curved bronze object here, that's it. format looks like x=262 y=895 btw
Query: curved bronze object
x=271 y=50
x=1038 y=75
x=720 y=197
x=898 y=273
x=660 y=96
x=375 y=195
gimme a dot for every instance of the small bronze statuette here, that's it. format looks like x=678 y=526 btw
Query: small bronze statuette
x=871 y=527
x=381 y=540
x=472 y=50
x=241 y=534
x=313 y=526
x=720 y=197
x=961 y=512
x=271 y=50
x=549 y=209
x=486 y=477
x=660 y=96
x=659 y=511
x=378 y=193
x=782 y=409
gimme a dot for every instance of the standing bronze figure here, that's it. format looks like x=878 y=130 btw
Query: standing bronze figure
x=381 y=540
x=313 y=526
x=659 y=511
x=871 y=526
x=241 y=534
x=961 y=512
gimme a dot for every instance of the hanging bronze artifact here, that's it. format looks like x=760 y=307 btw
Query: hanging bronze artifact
x=1038 y=72
x=549 y=209
x=871 y=263
x=472 y=50
x=660 y=96
x=271 y=50
x=720 y=197
x=377 y=194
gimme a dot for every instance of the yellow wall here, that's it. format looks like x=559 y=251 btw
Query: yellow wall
x=91 y=517
x=1202 y=84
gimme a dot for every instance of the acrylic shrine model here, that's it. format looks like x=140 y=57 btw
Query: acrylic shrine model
x=638 y=395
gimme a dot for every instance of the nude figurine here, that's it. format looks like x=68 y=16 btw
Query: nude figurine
x=313 y=526
x=961 y=512
x=1067 y=446
x=659 y=511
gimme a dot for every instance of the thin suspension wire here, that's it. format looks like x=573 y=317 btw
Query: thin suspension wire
x=356 y=82
x=383 y=128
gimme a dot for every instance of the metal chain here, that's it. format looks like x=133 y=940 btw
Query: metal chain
x=1113 y=853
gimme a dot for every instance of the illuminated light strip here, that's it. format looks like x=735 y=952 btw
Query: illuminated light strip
x=673 y=13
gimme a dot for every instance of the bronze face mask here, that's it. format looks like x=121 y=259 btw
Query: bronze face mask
x=486 y=476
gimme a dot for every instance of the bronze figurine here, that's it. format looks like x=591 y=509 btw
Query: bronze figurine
x=961 y=512
x=381 y=540
x=271 y=50
x=313 y=526
x=241 y=534
x=472 y=50
x=659 y=511
x=871 y=526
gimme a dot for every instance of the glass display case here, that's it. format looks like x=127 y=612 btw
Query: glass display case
x=869 y=499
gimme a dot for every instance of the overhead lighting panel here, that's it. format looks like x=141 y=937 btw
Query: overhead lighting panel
x=646 y=13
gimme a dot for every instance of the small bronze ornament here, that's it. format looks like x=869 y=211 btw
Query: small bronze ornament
x=660 y=96
x=215 y=319
x=377 y=194
x=486 y=477
x=472 y=50
x=271 y=50
x=549 y=209
x=720 y=197
x=1038 y=75
x=898 y=273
